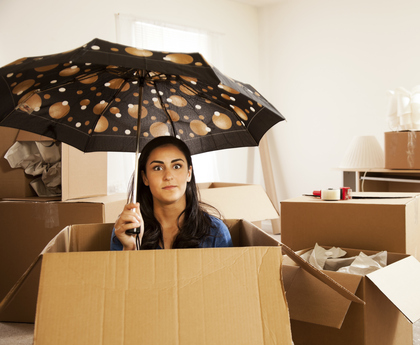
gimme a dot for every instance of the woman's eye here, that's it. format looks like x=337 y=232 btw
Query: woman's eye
x=177 y=166
x=157 y=168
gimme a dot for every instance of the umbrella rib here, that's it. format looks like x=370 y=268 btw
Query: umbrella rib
x=165 y=109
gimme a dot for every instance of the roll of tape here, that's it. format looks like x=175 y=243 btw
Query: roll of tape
x=331 y=194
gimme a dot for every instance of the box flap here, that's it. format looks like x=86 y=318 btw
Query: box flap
x=87 y=176
x=29 y=136
x=210 y=296
x=246 y=234
x=321 y=276
x=20 y=303
x=90 y=237
x=312 y=301
x=240 y=202
x=400 y=282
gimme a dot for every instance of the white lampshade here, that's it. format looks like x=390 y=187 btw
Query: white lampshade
x=364 y=152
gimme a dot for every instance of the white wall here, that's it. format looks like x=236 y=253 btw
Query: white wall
x=30 y=28
x=327 y=66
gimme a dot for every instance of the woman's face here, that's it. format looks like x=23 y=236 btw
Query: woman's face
x=167 y=173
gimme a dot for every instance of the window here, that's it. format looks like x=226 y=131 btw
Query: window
x=150 y=35
x=161 y=36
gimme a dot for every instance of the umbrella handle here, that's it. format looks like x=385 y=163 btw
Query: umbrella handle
x=135 y=231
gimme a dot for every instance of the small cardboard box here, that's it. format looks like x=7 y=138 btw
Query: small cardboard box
x=392 y=304
x=371 y=221
x=32 y=225
x=239 y=201
x=83 y=174
x=402 y=150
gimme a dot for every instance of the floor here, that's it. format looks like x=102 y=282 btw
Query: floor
x=16 y=333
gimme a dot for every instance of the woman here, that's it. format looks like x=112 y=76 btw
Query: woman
x=169 y=209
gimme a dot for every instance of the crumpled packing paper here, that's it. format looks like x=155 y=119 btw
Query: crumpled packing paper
x=404 y=109
x=332 y=260
x=40 y=159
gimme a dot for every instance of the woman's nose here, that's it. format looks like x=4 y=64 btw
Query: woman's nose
x=168 y=175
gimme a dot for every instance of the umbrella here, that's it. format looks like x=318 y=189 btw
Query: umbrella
x=100 y=96
x=105 y=96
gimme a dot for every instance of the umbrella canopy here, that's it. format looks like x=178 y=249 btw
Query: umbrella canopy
x=100 y=96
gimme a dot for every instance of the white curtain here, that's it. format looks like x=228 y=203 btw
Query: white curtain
x=146 y=34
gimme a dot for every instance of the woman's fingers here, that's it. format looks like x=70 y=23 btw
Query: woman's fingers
x=129 y=219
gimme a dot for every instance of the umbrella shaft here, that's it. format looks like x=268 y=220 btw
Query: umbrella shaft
x=136 y=171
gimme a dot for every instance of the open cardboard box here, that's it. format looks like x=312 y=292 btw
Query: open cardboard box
x=373 y=221
x=211 y=295
x=241 y=201
x=32 y=225
x=83 y=174
x=392 y=304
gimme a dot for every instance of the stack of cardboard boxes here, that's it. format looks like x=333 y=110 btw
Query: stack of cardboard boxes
x=249 y=294
x=28 y=222
x=373 y=223
x=370 y=222
x=213 y=296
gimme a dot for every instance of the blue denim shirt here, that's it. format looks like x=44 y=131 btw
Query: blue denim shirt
x=219 y=236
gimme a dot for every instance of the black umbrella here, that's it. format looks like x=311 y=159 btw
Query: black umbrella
x=90 y=98
x=105 y=96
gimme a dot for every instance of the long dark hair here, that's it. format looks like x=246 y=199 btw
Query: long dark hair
x=196 y=223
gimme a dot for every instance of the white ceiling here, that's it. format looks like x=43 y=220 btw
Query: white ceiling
x=259 y=3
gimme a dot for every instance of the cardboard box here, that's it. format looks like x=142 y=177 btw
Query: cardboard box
x=392 y=304
x=378 y=221
x=402 y=150
x=213 y=296
x=239 y=201
x=27 y=227
x=223 y=294
x=13 y=182
x=83 y=174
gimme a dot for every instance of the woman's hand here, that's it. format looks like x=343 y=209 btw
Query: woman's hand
x=130 y=218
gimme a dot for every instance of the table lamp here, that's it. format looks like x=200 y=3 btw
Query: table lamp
x=364 y=152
